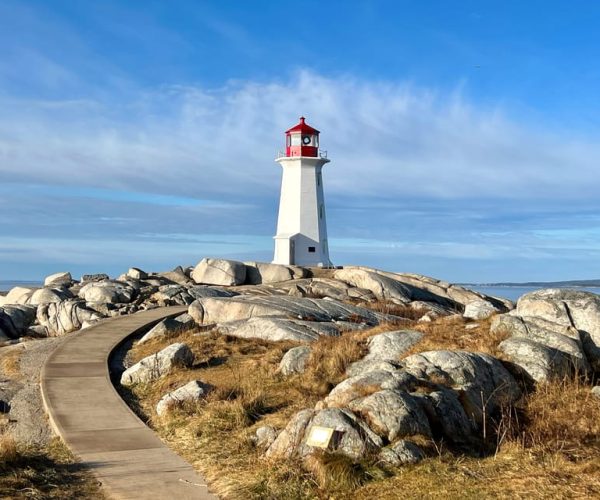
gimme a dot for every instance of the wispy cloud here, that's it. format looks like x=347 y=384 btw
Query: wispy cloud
x=445 y=178
x=386 y=140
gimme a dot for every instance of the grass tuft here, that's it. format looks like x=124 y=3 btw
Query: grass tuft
x=335 y=473
x=10 y=364
x=562 y=416
x=8 y=449
x=400 y=310
x=48 y=472
x=451 y=333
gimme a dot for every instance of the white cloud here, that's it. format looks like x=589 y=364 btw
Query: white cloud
x=386 y=140
x=419 y=181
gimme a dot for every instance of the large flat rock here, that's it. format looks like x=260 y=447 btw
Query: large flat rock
x=218 y=310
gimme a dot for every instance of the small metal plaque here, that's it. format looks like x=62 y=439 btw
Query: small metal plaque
x=319 y=437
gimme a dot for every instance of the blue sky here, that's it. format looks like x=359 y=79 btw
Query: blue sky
x=463 y=135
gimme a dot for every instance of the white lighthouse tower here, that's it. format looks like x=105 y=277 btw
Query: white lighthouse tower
x=301 y=237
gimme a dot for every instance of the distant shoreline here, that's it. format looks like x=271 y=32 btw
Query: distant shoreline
x=6 y=285
x=540 y=284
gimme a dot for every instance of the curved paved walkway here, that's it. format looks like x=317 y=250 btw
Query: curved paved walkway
x=89 y=415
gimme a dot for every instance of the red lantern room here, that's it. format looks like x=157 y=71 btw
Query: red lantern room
x=302 y=140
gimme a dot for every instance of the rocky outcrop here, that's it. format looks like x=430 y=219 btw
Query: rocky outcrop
x=351 y=436
x=400 y=453
x=171 y=295
x=212 y=311
x=385 y=348
x=448 y=416
x=108 y=292
x=264 y=436
x=15 y=320
x=289 y=439
x=277 y=329
x=219 y=272
x=484 y=383
x=177 y=275
x=58 y=279
x=294 y=361
x=405 y=288
x=48 y=295
x=456 y=293
x=536 y=361
x=441 y=394
x=66 y=316
x=374 y=381
x=193 y=391
x=137 y=274
x=392 y=414
x=383 y=287
x=261 y=272
x=366 y=423
x=18 y=295
x=153 y=367
x=87 y=278
x=570 y=308
x=389 y=346
x=479 y=309
x=168 y=327
x=311 y=288
x=540 y=349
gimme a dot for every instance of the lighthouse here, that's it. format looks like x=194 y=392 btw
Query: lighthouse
x=301 y=237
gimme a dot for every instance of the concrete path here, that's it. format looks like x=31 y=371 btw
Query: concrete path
x=89 y=415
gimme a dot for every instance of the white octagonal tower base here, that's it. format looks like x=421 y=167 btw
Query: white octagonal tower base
x=301 y=226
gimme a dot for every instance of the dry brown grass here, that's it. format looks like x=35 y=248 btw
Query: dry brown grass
x=562 y=416
x=400 y=310
x=337 y=474
x=10 y=363
x=452 y=334
x=548 y=448
x=8 y=449
x=515 y=472
x=329 y=358
x=50 y=472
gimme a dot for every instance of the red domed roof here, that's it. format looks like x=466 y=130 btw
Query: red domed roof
x=303 y=128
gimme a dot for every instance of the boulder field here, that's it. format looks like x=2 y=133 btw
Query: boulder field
x=249 y=299
x=388 y=399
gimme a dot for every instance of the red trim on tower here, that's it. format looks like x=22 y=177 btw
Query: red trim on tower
x=303 y=128
x=302 y=151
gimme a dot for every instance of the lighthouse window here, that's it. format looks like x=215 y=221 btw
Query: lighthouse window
x=288 y=142
x=312 y=249
x=296 y=140
x=321 y=211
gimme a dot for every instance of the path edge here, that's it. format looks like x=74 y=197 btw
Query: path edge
x=54 y=425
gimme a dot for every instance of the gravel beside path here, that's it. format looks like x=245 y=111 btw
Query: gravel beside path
x=27 y=420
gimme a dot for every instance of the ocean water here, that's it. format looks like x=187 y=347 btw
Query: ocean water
x=514 y=292
x=5 y=286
